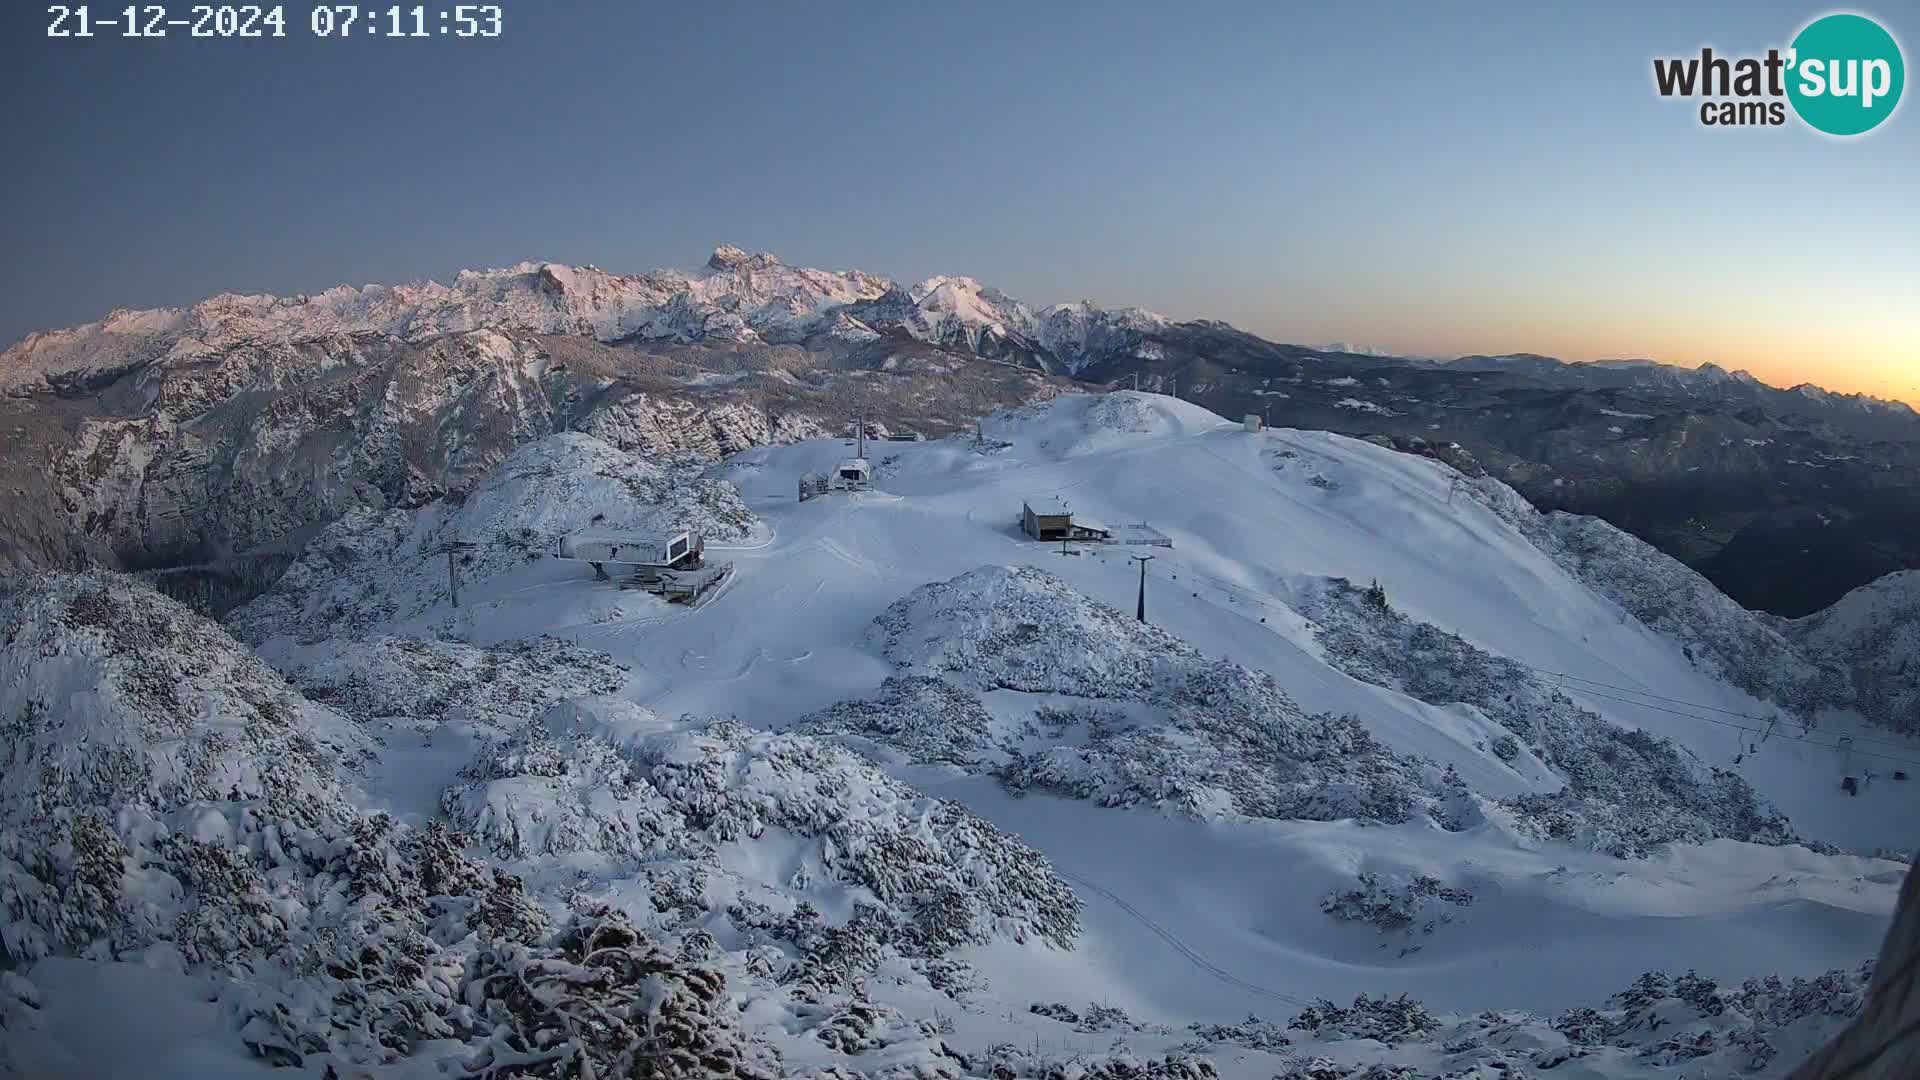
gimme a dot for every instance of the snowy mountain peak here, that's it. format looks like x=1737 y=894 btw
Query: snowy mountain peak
x=946 y=293
x=729 y=257
x=970 y=304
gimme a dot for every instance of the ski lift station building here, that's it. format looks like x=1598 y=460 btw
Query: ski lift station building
x=853 y=474
x=1048 y=518
x=682 y=550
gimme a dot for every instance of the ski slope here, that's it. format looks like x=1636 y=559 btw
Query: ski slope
x=1191 y=919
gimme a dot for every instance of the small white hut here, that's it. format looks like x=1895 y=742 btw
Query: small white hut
x=853 y=474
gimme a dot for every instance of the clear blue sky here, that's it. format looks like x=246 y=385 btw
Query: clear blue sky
x=1422 y=177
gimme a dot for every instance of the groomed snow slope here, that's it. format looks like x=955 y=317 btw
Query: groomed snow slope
x=1193 y=917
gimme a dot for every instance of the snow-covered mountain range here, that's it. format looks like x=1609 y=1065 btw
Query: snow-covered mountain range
x=740 y=298
x=1400 y=777
x=241 y=425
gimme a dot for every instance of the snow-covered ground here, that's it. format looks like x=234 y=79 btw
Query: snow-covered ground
x=1201 y=905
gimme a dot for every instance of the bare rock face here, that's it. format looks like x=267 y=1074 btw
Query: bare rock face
x=264 y=446
x=667 y=423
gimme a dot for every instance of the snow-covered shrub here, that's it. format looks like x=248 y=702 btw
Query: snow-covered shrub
x=1054 y=1010
x=134 y=719
x=370 y=970
x=1390 y=1020
x=1214 y=737
x=1009 y=1062
x=1322 y=768
x=430 y=681
x=926 y=718
x=955 y=978
x=1505 y=747
x=1410 y=904
x=1096 y=1017
x=859 y=1026
x=344 y=938
x=1324 y=1068
x=1666 y=1019
x=210 y=827
x=1626 y=791
x=1661 y=1025
x=602 y=1000
x=1021 y=628
x=1252 y=1033
x=828 y=959
x=122 y=695
x=605 y=776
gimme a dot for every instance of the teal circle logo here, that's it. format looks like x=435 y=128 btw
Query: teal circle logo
x=1845 y=74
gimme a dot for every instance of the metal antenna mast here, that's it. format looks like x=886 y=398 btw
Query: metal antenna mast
x=1140 y=612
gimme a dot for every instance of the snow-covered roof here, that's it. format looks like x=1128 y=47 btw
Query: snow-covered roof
x=1048 y=506
x=623 y=537
x=1082 y=522
x=855 y=463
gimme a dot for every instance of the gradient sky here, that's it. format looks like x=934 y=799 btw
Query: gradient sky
x=1425 y=178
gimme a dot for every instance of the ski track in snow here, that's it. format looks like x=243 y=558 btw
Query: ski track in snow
x=1178 y=945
